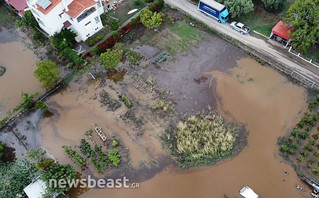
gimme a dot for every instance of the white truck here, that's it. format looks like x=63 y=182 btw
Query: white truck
x=240 y=27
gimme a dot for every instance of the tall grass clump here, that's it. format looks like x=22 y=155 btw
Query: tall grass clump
x=201 y=140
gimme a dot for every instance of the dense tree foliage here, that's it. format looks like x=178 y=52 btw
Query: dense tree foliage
x=63 y=39
x=238 y=7
x=273 y=5
x=151 y=19
x=303 y=16
x=47 y=73
x=111 y=58
x=58 y=171
x=15 y=176
x=27 y=101
x=29 y=19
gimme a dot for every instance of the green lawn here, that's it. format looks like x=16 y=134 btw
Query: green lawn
x=173 y=38
x=120 y=13
x=263 y=21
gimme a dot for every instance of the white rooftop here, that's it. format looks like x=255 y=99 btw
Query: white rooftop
x=35 y=189
x=213 y=4
x=248 y=192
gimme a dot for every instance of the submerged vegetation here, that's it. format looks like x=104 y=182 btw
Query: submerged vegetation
x=201 y=140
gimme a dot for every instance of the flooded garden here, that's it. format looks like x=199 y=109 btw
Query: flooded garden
x=171 y=80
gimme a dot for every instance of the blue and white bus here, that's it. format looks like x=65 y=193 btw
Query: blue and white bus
x=214 y=9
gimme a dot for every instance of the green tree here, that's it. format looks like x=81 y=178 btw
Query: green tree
x=303 y=16
x=272 y=5
x=63 y=39
x=58 y=172
x=150 y=19
x=238 y=7
x=27 y=101
x=111 y=58
x=47 y=73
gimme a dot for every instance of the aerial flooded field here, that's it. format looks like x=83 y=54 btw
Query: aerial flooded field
x=214 y=73
x=166 y=75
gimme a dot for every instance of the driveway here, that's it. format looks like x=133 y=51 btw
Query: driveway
x=257 y=44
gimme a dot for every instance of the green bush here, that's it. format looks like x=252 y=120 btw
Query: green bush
x=134 y=57
x=27 y=101
x=41 y=105
x=4 y=120
x=111 y=58
x=114 y=156
x=272 y=5
x=150 y=19
x=96 y=50
x=92 y=40
x=116 y=35
x=137 y=2
x=63 y=39
x=115 y=143
x=115 y=25
x=126 y=101
x=70 y=54
x=134 y=21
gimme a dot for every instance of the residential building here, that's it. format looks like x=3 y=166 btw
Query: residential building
x=19 y=6
x=81 y=16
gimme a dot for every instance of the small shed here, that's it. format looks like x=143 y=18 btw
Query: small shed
x=19 y=6
x=36 y=189
x=281 y=33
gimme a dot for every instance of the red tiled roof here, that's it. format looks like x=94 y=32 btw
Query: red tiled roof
x=78 y=6
x=282 y=30
x=19 y=5
x=53 y=4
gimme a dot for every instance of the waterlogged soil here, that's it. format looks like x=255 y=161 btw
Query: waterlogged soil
x=20 y=65
x=268 y=105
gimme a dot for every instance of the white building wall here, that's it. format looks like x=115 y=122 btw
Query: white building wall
x=53 y=21
x=88 y=26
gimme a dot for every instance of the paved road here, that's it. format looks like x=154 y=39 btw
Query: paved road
x=255 y=43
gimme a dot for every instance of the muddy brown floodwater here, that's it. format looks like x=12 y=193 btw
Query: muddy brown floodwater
x=20 y=65
x=268 y=105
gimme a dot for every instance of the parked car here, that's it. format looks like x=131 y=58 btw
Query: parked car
x=240 y=27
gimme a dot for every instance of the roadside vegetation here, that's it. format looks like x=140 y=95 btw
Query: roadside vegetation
x=47 y=73
x=201 y=140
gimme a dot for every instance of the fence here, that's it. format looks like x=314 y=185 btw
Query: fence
x=296 y=53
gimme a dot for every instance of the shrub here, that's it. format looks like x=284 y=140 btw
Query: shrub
x=134 y=57
x=115 y=143
x=134 y=21
x=137 y=2
x=116 y=35
x=115 y=25
x=27 y=101
x=114 y=156
x=63 y=39
x=4 y=120
x=70 y=54
x=29 y=19
x=111 y=58
x=96 y=50
x=159 y=3
x=41 y=105
x=92 y=40
x=126 y=101
x=150 y=19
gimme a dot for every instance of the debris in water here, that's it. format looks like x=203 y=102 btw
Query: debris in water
x=201 y=79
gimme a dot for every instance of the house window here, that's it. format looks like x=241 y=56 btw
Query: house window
x=41 y=22
x=60 y=15
x=86 y=14
x=88 y=23
x=97 y=19
x=98 y=4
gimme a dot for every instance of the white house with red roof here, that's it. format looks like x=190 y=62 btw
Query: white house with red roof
x=81 y=16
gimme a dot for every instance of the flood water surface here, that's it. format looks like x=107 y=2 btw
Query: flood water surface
x=268 y=105
x=20 y=65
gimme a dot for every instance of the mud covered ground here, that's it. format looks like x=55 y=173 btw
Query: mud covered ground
x=201 y=72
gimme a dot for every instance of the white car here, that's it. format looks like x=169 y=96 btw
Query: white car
x=240 y=27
